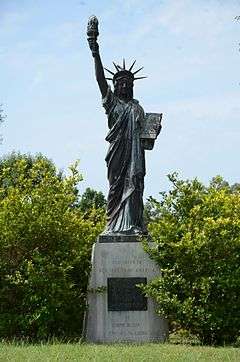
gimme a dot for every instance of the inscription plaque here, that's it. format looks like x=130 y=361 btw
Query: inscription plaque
x=123 y=295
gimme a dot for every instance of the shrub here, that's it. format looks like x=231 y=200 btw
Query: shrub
x=45 y=247
x=197 y=232
x=2 y=117
x=92 y=199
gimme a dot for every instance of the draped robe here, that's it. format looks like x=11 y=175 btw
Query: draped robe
x=126 y=165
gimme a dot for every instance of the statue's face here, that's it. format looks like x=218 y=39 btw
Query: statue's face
x=123 y=88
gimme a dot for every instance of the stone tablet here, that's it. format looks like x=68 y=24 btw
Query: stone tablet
x=150 y=129
x=124 y=295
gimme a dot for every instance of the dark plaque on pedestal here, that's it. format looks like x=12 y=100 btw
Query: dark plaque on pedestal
x=123 y=295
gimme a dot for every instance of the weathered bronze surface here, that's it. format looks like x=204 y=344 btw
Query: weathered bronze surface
x=131 y=131
x=123 y=295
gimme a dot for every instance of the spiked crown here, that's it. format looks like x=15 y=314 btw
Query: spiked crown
x=123 y=72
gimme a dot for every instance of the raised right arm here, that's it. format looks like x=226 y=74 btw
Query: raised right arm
x=99 y=72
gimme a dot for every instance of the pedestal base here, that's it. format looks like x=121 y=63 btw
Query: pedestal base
x=118 y=312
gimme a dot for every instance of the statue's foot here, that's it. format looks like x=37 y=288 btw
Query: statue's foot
x=136 y=230
x=133 y=230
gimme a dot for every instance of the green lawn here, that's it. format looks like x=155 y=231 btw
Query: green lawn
x=117 y=352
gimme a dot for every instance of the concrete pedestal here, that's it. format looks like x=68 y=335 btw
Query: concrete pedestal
x=118 y=312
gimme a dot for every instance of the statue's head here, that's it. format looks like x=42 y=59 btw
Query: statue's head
x=123 y=85
x=123 y=81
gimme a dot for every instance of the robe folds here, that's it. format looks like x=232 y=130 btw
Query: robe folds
x=126 y=165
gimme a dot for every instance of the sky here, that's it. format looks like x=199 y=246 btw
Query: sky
x=190 y=53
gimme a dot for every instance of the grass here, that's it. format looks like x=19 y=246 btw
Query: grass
x=116 y=352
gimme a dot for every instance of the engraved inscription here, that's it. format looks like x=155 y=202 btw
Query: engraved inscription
x=129 y=333
x=126 y=270
x=136 y=261
x=123 y=295
x=131 y=325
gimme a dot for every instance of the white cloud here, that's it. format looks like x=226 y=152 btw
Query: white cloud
x=187 y=18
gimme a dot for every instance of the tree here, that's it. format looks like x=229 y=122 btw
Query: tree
x=1 y=119
x=92 y=199
x=197 y=232
x=235 y=187
x=149 y=211
x=45 y=249
x=11 y=175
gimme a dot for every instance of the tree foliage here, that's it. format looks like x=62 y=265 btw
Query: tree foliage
x=197 y=231
x=45 y=247
x=1 y=114
x=1 y=119
x=92 y=199
x=12 y=176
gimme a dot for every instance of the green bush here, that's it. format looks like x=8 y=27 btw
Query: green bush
x=197 y=231
x=2 y=117
x=92 y=199
x=45 y=247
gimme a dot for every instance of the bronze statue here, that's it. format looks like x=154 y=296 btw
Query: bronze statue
x=131 y=132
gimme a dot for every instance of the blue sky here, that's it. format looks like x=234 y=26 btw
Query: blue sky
x=189 y=50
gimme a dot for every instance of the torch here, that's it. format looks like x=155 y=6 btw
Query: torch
x=92 y=33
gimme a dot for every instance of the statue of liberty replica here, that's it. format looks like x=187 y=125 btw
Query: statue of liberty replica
x=121 y=312
x=131 y=131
